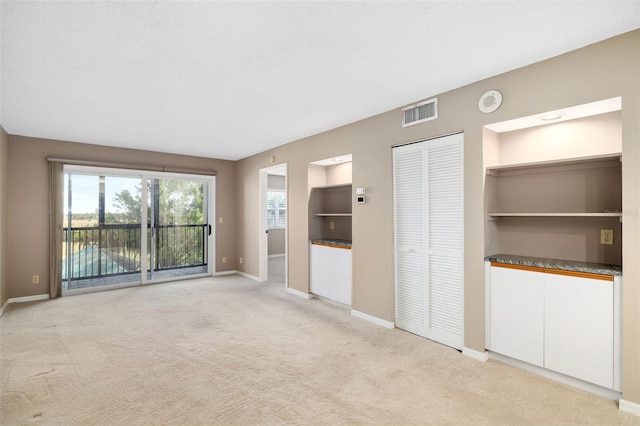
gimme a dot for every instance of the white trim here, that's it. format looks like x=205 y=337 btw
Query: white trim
x=28 y=298
x=4 y=307
x=271 y=256
x=629 y=407
x=23 y=300
x=552 y=375
x=375 y=320
x=471 y=353
x=221 y=273
x=617 y=332
x=251 y=277
x=487 y=304
x=300 y=293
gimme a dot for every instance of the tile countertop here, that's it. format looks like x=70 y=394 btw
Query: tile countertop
x=563 y=265
x=331 y=242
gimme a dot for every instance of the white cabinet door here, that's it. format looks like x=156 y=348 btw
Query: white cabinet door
x=341 y=275
x=320 y=280
x=579 y=328
x=331 y=273
x=517 y=314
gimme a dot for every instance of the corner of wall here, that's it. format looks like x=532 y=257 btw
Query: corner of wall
x=4 y=177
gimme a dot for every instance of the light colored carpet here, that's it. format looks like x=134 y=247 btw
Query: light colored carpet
x=229 y=350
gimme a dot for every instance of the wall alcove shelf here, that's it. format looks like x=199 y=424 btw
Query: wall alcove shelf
x=330 y=212
x=580 y=188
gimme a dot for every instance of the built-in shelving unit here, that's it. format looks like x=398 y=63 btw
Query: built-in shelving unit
x=556 y=208
x=587 y=187
x=330 y=212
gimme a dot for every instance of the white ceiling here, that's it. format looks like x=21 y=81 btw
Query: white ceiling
x=231 y=79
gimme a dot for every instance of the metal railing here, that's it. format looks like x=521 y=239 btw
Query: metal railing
x=107 y=250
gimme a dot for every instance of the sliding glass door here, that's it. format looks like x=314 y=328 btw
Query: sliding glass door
x=114 y=238
x=178 y=220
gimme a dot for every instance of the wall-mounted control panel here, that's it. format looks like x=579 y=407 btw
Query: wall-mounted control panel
x=360 y=195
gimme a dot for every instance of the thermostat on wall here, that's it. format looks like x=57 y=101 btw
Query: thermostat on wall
x=360 y=199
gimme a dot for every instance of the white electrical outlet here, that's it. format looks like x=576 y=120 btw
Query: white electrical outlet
x=240 y=260
x=332 y=225
x=35 y=279
x=224 y=259
x=606 y=236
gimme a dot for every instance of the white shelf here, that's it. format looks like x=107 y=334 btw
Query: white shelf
x=338 y=186
x=597 y=159
x=332 y=214
x=493 y=216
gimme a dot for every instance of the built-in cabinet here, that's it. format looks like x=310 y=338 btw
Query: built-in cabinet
x=553 y=294
x=330 y=242
x=563 y=321
x=331 y=272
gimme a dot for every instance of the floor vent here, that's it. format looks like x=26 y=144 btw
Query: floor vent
x=419 y=113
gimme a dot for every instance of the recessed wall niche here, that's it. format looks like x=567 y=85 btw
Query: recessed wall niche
x=550 y=189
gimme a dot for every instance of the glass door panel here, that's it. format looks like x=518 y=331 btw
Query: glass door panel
x=101 y=234
x=180 y=228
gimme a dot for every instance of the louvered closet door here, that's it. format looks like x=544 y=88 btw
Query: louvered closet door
x=428 y=188
x=410 y=256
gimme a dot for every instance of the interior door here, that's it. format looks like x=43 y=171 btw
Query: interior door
x=429 y=217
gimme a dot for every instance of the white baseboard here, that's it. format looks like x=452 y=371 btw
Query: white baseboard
x=375 y=320
x=271 y=256
x=221 y=273
x=629 y=407
x=4 y=307
x=28 y=298
x=251 y=277
x=480 y=356
x=22 y=300
x=299 y=293
x=558 y=377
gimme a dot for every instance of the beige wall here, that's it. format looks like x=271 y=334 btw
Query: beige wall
x=591 y=136
x=4 y=216
x=28 y=234
x=601 y=71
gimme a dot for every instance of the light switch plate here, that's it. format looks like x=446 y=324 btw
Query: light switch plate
x=606 y=236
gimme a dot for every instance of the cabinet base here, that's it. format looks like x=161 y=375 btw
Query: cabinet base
x=558 y=377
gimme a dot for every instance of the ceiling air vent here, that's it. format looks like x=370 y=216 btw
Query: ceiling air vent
x=419 y=113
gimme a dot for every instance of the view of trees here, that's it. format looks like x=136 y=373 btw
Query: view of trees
x=180 y=203
x=177 y=203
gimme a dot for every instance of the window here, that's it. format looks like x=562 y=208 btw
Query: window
x=276 y=209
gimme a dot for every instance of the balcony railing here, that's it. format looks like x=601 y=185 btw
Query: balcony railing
x=107 y=250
